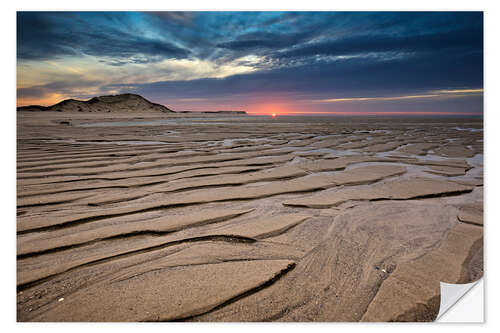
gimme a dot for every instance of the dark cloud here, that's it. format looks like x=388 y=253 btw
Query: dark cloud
x=183 y=18
x=469 y=40
x=264 y=40
x=38 y=37
x=121 y=45
x=51 y=35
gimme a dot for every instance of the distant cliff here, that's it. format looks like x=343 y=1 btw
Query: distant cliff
x=102 y=104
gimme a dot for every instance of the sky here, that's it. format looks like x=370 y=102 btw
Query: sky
x=287 y=63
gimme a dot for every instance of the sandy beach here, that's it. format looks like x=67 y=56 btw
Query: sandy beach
x=180 y=217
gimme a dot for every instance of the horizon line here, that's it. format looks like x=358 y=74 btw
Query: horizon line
x=373 y=113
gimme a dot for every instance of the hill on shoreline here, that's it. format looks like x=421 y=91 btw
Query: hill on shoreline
x=103 y=104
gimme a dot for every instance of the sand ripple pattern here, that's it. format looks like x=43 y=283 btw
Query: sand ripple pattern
x=240 y=218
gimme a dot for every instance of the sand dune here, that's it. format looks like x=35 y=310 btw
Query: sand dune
x=113 y=103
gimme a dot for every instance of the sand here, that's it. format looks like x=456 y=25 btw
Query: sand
x=179 y=217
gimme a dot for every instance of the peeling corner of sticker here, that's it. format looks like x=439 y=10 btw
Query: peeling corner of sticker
x=451 y=294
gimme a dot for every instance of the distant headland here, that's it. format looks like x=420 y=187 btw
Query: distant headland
x=127 y=103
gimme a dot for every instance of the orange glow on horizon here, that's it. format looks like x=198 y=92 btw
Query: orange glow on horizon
x=367 y=113
x=272 y=109
x=45 y=101
x=284 y=108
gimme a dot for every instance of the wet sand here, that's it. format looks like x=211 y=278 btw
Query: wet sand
x=241 y=218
